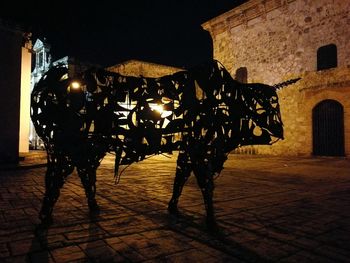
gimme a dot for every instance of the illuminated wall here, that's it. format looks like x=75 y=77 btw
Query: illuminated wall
x=25 y=99
x=139 y=68
x=10 y=86
x=279 y=40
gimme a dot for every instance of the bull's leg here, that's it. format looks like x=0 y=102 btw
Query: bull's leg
x=204 y=176
x=183 y=172
x=88 y=179
x=57 y=171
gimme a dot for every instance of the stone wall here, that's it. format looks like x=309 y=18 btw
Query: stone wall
x=139 y=68
x=277 y=40
x=297 y=103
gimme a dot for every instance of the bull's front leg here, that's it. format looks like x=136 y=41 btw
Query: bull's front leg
x=183 y=172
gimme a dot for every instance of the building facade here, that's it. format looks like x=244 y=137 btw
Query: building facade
x=15 y=62
x=270 y=41
x=42 y=63
x=139 y=68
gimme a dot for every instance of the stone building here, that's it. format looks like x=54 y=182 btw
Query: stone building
x=270 y=41
x=15 y=65
x=139 y=68
x=42 y=63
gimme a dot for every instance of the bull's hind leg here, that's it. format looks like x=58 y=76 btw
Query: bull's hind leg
x=58 y=168
x=183 y=171
x=204 y=176
x=88 y=179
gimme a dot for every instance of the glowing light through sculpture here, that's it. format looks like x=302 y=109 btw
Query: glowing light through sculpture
x=75 y=85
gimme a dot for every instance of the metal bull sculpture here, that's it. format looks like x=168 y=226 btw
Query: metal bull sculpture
x=202 y=112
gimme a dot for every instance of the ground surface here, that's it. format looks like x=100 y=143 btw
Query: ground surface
x=269 y=209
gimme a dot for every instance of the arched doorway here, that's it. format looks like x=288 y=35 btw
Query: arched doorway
x=328 y=128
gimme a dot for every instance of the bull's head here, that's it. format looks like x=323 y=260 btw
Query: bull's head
x=263 y=124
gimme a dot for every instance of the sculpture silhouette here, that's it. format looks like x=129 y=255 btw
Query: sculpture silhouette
x=202 y=113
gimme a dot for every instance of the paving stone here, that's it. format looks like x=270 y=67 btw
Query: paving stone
x=126 y=251
x=189 y=255
x=337 y=254
x=22 y=247
x=53 y=241
x=40 y=256
x=306 y=256
x=306 y=243
x=4 y=250
x=15 y=259
x=269 y=249
x=157 y=233
x=69 y=253
x=85 y=235
x=138 y=241
x=100 y=253
x=216 y=253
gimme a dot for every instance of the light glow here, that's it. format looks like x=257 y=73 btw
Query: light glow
x=160 y=109
x=157 y=107
x=75 y=85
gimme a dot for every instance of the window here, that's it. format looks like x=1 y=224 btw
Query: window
x=242 y=74
x=327 y=57
x=40 y=59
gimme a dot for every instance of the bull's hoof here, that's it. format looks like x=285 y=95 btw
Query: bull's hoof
x=211 y=223
x=172 y=209
x=46 y=219
x=93 y=206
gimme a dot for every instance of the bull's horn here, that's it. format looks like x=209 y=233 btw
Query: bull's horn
x=285 y=83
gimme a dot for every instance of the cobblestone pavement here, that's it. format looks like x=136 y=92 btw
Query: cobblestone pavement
x=269 y=209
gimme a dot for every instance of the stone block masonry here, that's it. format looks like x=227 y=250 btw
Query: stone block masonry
x=277 y=40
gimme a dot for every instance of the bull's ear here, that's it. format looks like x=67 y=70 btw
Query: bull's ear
x=285 y=83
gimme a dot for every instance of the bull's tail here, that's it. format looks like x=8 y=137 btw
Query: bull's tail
x=285 y=83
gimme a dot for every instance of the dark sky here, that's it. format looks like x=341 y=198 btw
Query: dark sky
x=166 y=32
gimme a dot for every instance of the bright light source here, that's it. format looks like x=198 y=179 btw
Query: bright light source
x=75 y=85
x=160 y=109
x=157 y=107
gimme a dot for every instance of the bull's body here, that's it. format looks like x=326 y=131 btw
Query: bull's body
x=206 y=114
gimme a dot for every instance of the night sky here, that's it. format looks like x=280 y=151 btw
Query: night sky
x=166 y=32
